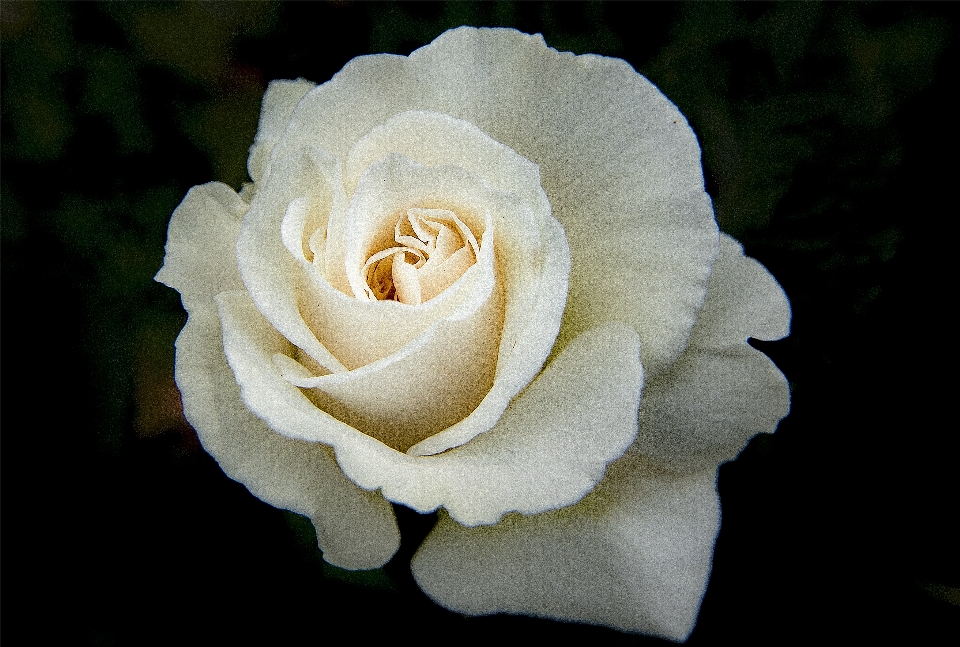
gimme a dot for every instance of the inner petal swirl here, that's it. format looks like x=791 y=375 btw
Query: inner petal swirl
x=434 y=249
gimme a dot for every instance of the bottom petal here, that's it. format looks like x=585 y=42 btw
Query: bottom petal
x=633 y=555
x=355 y=529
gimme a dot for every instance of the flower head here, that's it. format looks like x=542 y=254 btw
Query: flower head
x=484 y=278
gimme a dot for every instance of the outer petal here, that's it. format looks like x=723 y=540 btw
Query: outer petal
x=721 y=391
x=634 y=555
x=355 y=529
x=547 y=451
x=201 y=235
x=618 y=161
x=279 y=101
x=743 y=300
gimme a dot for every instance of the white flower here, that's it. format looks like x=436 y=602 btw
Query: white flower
x=371 y=321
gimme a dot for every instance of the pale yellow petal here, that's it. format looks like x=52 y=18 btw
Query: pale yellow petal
x=203 y=233
x=743 y=300
x=721 y=391
x=633 y=555
x=533 y=253
x=278 y=103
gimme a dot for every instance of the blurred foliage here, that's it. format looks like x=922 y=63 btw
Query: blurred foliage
x=110 y=112
x=772 y=92
x=41 y=48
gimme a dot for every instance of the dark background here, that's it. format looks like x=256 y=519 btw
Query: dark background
x=829 y=145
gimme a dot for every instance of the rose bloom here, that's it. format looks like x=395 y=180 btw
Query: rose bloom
x=484 y=278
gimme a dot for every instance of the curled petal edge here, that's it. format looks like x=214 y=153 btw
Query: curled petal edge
x=548 y=450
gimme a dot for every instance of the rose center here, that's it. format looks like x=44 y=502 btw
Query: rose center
x=434 y=249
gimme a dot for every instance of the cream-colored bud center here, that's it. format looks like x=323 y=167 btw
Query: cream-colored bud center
x=434 y=249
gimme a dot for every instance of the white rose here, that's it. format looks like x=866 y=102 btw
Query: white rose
x=371 y=321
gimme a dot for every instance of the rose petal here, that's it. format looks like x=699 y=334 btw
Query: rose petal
x=202 y=232
x=355 y=529
x=618 y=161
x=534 y=280
x=721 y=391
x=548 y=450
x=427 y=386
x=301 y=216
x=743 y=300
x=279 y=101
x=554 y=441
x=269 y=270
x=633 y=555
